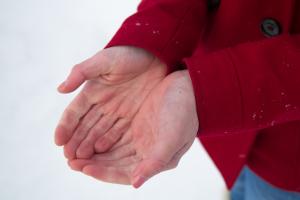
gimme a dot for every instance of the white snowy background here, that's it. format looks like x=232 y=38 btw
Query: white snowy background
x=40 y=40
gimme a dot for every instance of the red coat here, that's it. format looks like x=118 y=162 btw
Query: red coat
x=244 y=61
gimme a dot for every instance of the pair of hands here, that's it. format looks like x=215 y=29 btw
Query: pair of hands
x=130 y=121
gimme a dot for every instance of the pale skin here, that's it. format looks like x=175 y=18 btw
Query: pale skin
x=159 y=122
x=120 y=78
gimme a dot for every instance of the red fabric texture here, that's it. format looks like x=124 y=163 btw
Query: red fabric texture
x=247 y=85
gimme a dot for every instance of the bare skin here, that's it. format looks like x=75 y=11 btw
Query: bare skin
x=160 y=133
x=119 y=80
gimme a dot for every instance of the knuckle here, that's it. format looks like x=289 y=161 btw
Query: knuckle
x=159 y=164
x=172 y=165
x=176 y=163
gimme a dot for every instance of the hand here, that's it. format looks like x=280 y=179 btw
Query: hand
x=160 y=133
x=119 y=79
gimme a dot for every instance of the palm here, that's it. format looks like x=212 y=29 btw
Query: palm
x=160 y=134
x=119 y=81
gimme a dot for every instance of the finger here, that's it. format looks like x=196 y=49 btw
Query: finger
x=150 y=167
x=118 y=153
x=155 y=161
x=79 y=164
x=86 y=149
x=145 y=170
x=108 y=174
x=76 y=77
x=123 y=157
x=89 y=120
x=128 y=161
x=112 y=136
x=88 y=69
x=126 y=139
x=71 y=117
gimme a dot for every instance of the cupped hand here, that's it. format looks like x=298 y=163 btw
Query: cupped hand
x=161 y=132
x=118 y=79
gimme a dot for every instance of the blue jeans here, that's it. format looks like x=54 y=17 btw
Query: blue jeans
x=251 y=187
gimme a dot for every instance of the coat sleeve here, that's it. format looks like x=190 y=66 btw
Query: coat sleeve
x=167 y=28
x=250 y=86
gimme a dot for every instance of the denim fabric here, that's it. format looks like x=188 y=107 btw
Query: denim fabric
x=251 y=187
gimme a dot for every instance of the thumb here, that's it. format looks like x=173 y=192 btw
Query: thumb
x=89 y=69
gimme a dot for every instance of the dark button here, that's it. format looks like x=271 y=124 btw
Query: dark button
x=270 y=27
x=212 y=4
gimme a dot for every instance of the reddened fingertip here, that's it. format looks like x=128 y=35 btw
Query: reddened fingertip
x=138 y=181
x=61 y=87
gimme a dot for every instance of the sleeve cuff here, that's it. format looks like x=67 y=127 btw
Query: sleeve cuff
x=217 y=90
x=250 y=86
x=158 y=30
